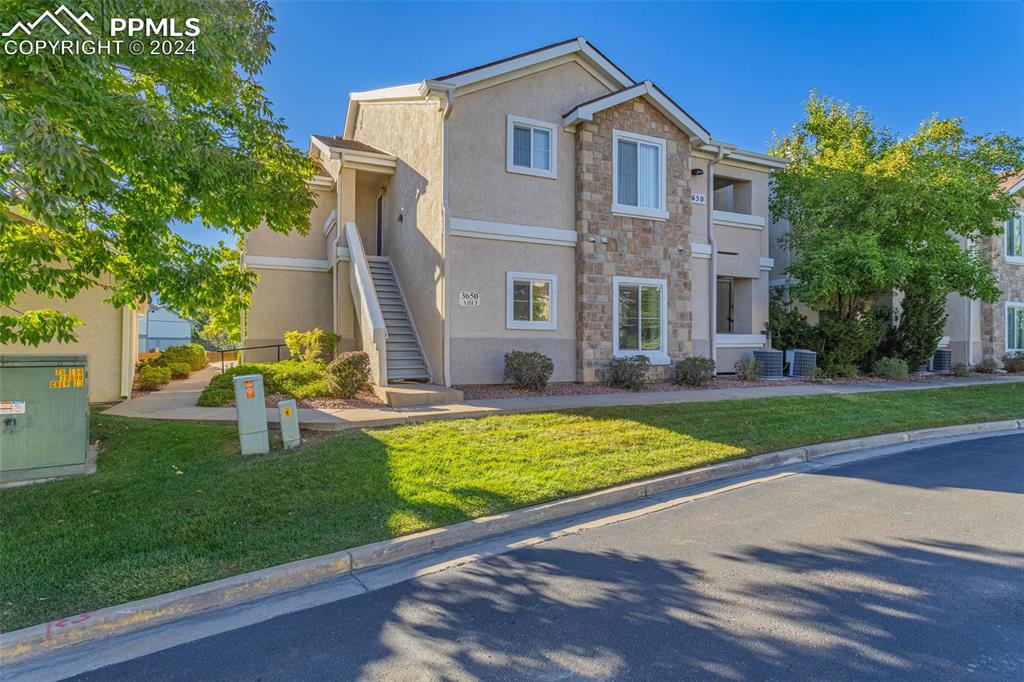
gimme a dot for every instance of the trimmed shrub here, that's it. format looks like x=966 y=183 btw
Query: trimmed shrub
x=1013 y=362
x=179 y=370
x=845 y=371
x=529 y=370
x=854 y=342
x=291 y=378
x=310 y=345
x=816 y=375
x=748 y=370
x=628 y=372
x=152 y=377
x=894 y=369
x=986 y=366
x=960 y=370
x=348 y=374
x=191 y=354
x=696 y=371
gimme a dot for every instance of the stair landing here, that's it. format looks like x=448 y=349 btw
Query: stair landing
x=414 y=395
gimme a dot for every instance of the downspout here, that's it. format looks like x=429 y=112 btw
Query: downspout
x=713 y=310
x=127 y=365
x=446 y=219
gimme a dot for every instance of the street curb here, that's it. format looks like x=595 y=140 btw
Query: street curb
x=37 y=640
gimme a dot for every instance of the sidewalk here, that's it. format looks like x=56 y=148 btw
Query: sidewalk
x=178 y=402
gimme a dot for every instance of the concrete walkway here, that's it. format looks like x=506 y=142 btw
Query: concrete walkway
x=179 y=402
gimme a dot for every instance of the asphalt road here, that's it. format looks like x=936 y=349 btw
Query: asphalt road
x=904 y=567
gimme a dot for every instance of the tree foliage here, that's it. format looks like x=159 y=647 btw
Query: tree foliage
x=102 y=153
x=872 y=213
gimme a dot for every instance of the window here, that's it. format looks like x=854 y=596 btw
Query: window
x=639 y=318
x=1014 y=327
x=1015 y=238
x=638 y=167
x=532 y=147
x=531 y=301
x=725 y=322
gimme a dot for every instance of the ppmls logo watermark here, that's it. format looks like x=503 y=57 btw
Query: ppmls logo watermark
x=82 y=34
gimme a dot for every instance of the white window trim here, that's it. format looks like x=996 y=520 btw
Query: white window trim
x=1019 y=260
x=552 y=280
x=522 y=121
x=1006 y=331
x=637 y=211
x=660 y=356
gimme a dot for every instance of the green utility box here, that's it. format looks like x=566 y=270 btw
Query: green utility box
x=44 y=416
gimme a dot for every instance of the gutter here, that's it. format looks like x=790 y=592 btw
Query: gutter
x=448 y=98
x=713 y=270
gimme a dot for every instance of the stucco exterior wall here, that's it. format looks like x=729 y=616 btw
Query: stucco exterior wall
x=414 y=223
x=635 y=247
x=480 y=337
x=265 y=242
x=99 y=338
x=286 y=300
x=481 y=188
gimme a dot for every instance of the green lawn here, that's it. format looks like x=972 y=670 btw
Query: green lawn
x=174 y=504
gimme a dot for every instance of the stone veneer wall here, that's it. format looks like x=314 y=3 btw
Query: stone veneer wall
x=635 y=247
x=1010 y=279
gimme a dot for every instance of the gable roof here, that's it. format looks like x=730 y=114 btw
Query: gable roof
x=578 y=46
x=1012 y=183
x=653 y=94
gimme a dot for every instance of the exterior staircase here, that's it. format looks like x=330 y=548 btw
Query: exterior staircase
x=404 y=353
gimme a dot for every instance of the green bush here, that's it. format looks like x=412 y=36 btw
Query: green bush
x=528 y=369
x=789 y=327
x=152 y=377
x=960 y=370
x=748 y=370
x=179 y=370
x=986 y=366
x=628 y=372
x=894 y=369
x=1013 y=362
x=191 y=354
x=845 y=371
x=842 y=343
x=696 y=371
x=310 y=345
x=816 y=375
x=292 y=378
x=348 y=374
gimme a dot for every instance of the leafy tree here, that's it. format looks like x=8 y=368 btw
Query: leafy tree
x=103 y=152
x=872 y=213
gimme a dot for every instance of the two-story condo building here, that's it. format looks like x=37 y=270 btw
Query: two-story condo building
x=545 y=202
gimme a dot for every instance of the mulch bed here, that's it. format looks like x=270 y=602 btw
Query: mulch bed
x=363 y=401
x=498 y=391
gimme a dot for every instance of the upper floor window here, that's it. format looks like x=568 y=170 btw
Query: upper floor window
x=531 y=301
x=532 y=147
x=638 y=167
x=1015 y=238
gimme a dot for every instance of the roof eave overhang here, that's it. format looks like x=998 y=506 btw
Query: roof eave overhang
x=650 y=92
x=1016 y=188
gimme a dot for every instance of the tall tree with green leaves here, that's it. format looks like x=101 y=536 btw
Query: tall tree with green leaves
x=100 y=154
x=872 y=213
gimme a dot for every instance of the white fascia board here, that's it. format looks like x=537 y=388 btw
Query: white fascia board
x=578 y=46
x=700 y=250
x=1016 y=188
x=745 y=155
x=282 y=263
x=530 y=234
x=654 y=96
x=767 y=263
x=395 y=92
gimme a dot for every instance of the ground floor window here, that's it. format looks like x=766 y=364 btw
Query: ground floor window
x=639 y=316
x=531 y=301
x=1015 y=326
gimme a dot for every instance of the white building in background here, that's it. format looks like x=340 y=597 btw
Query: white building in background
x=160 y=327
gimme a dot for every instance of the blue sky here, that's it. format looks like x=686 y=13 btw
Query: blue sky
x=741 y=69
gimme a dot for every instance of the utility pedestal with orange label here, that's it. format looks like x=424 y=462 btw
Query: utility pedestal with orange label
x=289 y=413
x=251 y=408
